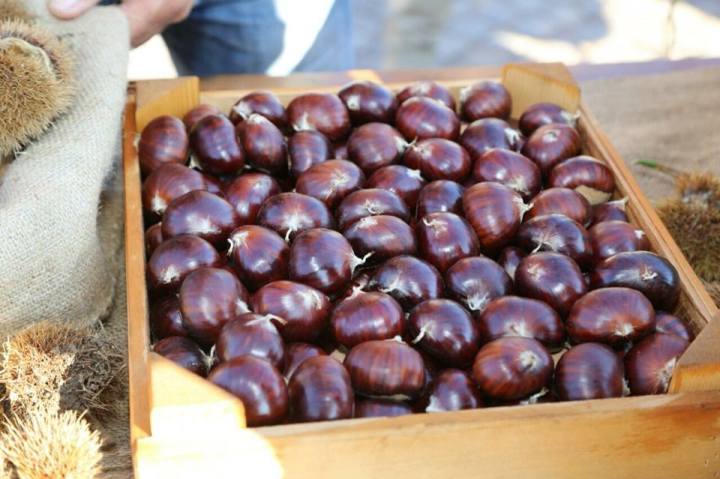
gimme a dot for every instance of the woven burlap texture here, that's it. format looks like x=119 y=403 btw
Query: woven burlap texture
x=52 y=263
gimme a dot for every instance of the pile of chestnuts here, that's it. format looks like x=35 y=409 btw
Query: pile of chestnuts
x=375 y=253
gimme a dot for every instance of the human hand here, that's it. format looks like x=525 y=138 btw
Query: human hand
x=145 y=17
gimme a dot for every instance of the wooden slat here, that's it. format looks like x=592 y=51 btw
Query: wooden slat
x=532 y=83
x=699 y=367
x=165 y=97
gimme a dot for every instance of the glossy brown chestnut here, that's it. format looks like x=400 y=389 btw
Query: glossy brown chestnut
x=183 y=352
x=541 y=114
x=612 y=237
x=257 y=383
x=369 y=102
x=323 y=112
x=366 y=407
x=485 y=99
x=510 y=169
x=366 y=317
x=512 y=367
x=670 y=324
x=524 y=317
x=307 y=148
x=166 y=318
x=209 y=298
x=375 y=145
x=551 y=277
x=385 y=368
x=647 y=272
x=163 y=140
x=384 y=236
x=509 y=259
x=440 y=196
x=563 y=201
x=340 y=151
x=419 y=118
x=476 y=281
x=214 y=185
x=487 y=133
x=445 y=330
x=331 y=181
x=263 y=103
x=370 y=202
x=304 y=309
x=558 y=233
x=612 y=210
x=263 y=144
x=168 y=182
x=248 y=192
x=649 y=365
x=438 y=159
x=259 y=255
x=177 y=257
x=216 y=147
x=586 y=175
x=614 y=316
x=153 y=238
x=201 y=214
x=589 y=371
x=296 y=354
x=551 y=144
x=452 y=390
x=403 y=181
x=320 y=390
x=291 y=213
x=198 y=113
x=408 y=279
x=323 y=259
x=444 y=238
x=495 y=213
x=251 y=334
x=427 y=89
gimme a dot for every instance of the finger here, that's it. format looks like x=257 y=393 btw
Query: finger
x=69 y=9
x=146 y=18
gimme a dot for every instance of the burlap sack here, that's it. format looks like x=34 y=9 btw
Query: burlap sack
x=52 y=262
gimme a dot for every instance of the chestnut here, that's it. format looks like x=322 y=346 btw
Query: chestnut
x=408 y=279
x=524 y=317
x=367 y=407
x=323 y=112
x=163 y=140
x=419 y=118
x=296 y=354
x=510 y=169
x=198 y=113
x=586 y=175
x=647 y=272
x=556 y=233
x=177 y=257
x=291 y=213
x=615 y=316
x=330 y=181
x=263 y=144
x=612 y=210
x=304 y=310
x=258 y=384
x=370 y=202
x=476 y=281
x=251 y=334
x=541 y=114
x=440 y=196
x=495 y=212
x=263 y=103
x=509 y=259
x=403 y=181
x=365 y=317
x=562 y=201
x=452 y=390
x=167 y=182
x=385 y=368
x=438 y=159
x=202 y=214
x=166 y=318
x=340 y=151
x=375 y=145
x=589 y=371
x=612 y=237
x=551 y=144
x=650 y=363
x=485 y=99
x=488 y=133
x=153 y=238
x=381 y=237
x=427 y=89
x=216 y=146
x=368 y=102
x=551 y=277
x=512 y=367
x=323 y=259
x=183 y=352
x=445 y=330
x=670 y=324
x=213 y=184
x=307 y=148
x=248 y=192
x=209 y=298
x=259 y=255
x=320 y=390
x=444 y=238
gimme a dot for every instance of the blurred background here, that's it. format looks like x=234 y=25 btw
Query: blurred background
x=400 y=34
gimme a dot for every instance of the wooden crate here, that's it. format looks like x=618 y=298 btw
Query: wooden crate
x=183 y=426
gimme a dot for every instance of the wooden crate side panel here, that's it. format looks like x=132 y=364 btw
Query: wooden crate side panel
x=533 y=83
x=165 y=97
